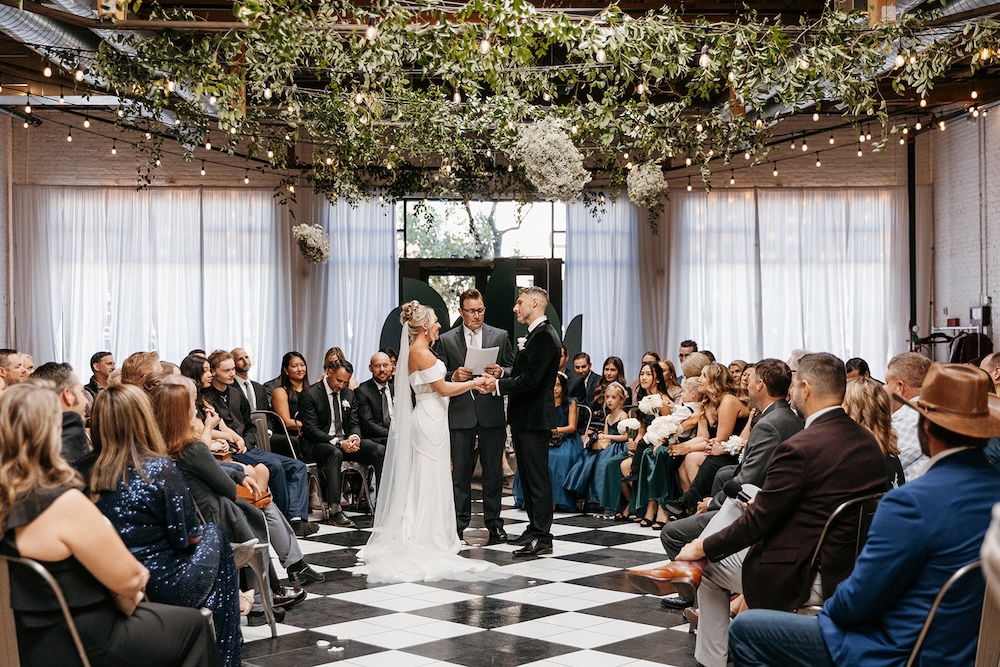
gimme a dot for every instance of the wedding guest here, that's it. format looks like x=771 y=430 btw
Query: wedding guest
x=857 y=367
x=618 y=486
x=332 y=355
x=867 y=403
x=11 y=366
x=565 y=449
x=905 y=376
x=633 y=386
x=614 y=371
x=684 y=350
x=671 y=381
x=102 y=364
x=73 y=402
x=146 y=499
x=45 y=517
x=736 y=368
x=291 y=383
x=583 y=380
x=375 y=397
x=28 y=362
x=585 y=479
x=745 y=378
x=138 y=365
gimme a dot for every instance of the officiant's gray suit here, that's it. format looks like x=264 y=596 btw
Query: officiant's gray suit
x=471 y=414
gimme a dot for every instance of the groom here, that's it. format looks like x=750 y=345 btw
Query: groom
x=531 y=413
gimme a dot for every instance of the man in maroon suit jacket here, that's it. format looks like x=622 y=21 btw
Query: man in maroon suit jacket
x=832 y=460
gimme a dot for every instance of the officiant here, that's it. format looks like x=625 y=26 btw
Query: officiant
x=473 y=416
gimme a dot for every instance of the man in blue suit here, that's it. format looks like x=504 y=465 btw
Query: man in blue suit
x=922 y=532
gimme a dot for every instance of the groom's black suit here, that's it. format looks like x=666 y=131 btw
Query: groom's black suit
x=531 y=414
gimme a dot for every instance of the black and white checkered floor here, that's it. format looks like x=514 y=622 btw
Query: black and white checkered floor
x=573 y=608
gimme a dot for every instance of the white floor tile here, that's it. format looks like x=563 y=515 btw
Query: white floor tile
x=564 y=596
x=585 y=634
x=653 y=546
x=254 y=633
x=388 y=659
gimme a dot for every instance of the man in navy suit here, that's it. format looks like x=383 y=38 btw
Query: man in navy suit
x=480 y=415
x=583 y=381
x=531 y=410
x=922 y=532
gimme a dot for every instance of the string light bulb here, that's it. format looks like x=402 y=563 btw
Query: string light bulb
x=868 y=134
x=69 y=135
x=267 y=93
x=792 y=145
x=359 y=98
x=601 y=55
x=919 y=126
x=818 y=163
x=815 y=116
x=985 y=53
x=805 y=145
x=149 y=135
x=860 y=152
x=689 y=184
x=270 y=154
x=641 y=89
x=941 y=125
x=78 y=75
x=86 y=121
x=26 y=125
x=62 y=98
x=202 y=167
x=861 y=137
x=47 y=72
x=902 y=141
x=774 y=172
x=732 y=177
x=457 y=97
x=832 y=140
x=212 y=99
x=371 y=32
x=746 y=155
x=171 y=86
x=27 y=105
x=923 y=103
x=158 y=162
x=687 y=161
x=704 y=60
x=546 y=97
x=900 y=60
x=328 y=161
x=485 y=46
x=114 y=147
x=906 y=130
x=246 y=178
x=208 y=145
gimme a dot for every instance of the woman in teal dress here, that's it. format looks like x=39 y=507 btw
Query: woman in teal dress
x=566 y=450
x=585 y=479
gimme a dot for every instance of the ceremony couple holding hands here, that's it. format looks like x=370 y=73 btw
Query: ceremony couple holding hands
x=415 y=536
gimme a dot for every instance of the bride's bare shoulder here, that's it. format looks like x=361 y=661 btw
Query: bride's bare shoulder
x=421 y=358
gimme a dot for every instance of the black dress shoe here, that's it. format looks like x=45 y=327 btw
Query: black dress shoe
x=302 y=574
x=288 y=596
x=676 y=510
x=497 y=535
x=534 y=548
x=304 y=528
x=521 y=540
x=676 y=602
x=255 y=618
x=340 y=519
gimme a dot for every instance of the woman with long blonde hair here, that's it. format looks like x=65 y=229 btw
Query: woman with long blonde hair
x=45 y=517
x=868 y=403
x=147 y=500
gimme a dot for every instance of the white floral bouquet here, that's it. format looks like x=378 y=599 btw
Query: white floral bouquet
x=646 y=184
x=650 y=404
x=734 y=445
x=314 y=243
x=628 y=426
x=663 y=430
x=551 y=160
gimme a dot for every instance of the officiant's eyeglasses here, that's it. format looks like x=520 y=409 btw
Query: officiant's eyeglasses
x=474 y=311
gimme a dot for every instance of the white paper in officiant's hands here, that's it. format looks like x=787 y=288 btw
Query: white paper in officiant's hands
x=478 y=358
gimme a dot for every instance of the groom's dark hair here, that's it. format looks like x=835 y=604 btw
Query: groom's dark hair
x=469 y=295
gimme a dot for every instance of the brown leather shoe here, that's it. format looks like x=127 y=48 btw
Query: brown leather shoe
x=679 y=576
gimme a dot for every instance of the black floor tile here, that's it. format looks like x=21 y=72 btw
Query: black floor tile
x=487 y=613
x=603 y=538
x=355 y=538
x=646 y=609
x=327 y=611
x=481 y=648
x=666 y=646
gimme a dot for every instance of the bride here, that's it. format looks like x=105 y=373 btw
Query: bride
x=414 y=536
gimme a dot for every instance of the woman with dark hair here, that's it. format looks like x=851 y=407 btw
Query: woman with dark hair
x=564 y=449
x=147 y=500
x=291 y=382
x=45 y=517
x=614 y=371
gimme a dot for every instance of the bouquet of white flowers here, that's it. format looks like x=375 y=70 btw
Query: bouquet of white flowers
x=734 y=445
x=663 y=430
x=551 y=160
x=628 y=426
x=651 y=404
x=314 y=243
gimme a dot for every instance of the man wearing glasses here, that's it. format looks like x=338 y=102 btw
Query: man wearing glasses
x=473 y=414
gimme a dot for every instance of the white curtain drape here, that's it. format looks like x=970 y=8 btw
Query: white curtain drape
x=171 y=269
x=757 y=273
x=602 y=281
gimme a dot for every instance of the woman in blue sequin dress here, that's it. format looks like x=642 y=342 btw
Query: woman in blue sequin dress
x=146 y=499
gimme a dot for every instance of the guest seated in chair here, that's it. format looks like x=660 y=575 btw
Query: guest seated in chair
x=921 y=534
x=375 y=399
x=147 y=500
x=45 y=517
x=331 y=432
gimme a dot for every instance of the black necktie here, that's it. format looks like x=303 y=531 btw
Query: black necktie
x=385 y=406
x=338 y=422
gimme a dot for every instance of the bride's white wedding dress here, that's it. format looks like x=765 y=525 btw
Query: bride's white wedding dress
x=414 y=536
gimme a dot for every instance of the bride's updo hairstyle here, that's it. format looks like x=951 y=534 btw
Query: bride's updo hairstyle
x=415 y=316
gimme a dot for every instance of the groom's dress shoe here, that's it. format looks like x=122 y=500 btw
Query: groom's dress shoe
x=497 y=535
x=521 y=540
x=679 y=576
x=534 y=548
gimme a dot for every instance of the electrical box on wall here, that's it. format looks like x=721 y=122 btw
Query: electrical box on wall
x=981 y=315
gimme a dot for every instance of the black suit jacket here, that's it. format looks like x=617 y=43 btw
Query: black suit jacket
x=373 y=422
x=234 y=409
x=582 y=389
x=464 y=410
x=316 y=418
x=530 y=403
x=811 y=474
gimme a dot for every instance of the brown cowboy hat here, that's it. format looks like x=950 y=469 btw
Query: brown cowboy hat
x=957 y=397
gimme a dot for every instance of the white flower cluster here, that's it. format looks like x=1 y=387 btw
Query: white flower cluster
x=314 y=243
x=646 y=185
x=551 y=160
x=734 y=445
x=663 y=430
x=650 y=404
x=630 y=424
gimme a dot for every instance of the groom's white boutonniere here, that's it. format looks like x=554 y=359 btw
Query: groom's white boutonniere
x=520 y=342
x=346 y=404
